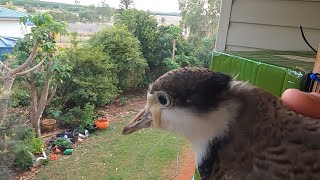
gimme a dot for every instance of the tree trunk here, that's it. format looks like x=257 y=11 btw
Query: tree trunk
x=39 y=106
x=4 y=98
x=174 y=49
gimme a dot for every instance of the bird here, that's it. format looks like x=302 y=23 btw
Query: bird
x=237 y=130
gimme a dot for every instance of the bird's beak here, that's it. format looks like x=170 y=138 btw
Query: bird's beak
x=142 y=120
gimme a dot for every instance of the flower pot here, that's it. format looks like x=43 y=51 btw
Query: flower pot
x=102 y=123
x=56 y=150
x=48 y=124
x=53 y=157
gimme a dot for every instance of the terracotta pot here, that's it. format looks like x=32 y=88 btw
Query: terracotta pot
x=53 y=157
x=56 y=150
x=102 y=123
x=48 y=124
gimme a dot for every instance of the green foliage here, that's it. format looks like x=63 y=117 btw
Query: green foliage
x=26 y=134
x=64 y=15
x=87 y=116
x=170 y=64
x=203 y=51
x=20 y=96
x=77 y=117
x=8 y=143
x=29 y=9
x=71 y=118
x=126 y=4
x=24 y=159
x=93 y=78
x=143 y=26
x=35 y=145
x=10 y=5
x=124 y=52
x=200 y=17
x=27 y=140
x=63 y=143
x=37 y=3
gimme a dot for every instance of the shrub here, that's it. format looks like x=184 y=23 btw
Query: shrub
x=124 y=52
x=63 y=143
x=71 y=118
x=28 y=140
x=143 y=26
x=20 y=96
x=24 y=159
x=26 y=134
x=87 y=116
x=8 y=143
x=93 y=78
x=35 y=145
x=78 y=117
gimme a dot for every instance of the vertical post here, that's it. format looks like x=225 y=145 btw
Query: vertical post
x=316 y=69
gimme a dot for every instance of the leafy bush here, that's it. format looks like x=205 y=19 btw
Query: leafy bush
x=35 y=145
x=63 y=143
x=87 y=116
x=28 y=140
x=8 y=143
x=25 y=134
x=71 y=118
x=203 y=50
x=124 y=52
x=78 y=117
x=20 y=95
x=93 y=78
x=143 y=26
x=24 y=159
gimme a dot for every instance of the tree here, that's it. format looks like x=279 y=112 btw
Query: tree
x=163 y=20
x=126 y=4
x=64 y=16
x=10 y=5
x=124 y=52
x=104 y=11
x=143 y=26
x=35 y=58
x=199 y=18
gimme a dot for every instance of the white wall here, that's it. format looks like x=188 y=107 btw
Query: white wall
x=12 y=28
x=268 y=25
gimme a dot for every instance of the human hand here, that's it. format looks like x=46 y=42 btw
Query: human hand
x=307 y=104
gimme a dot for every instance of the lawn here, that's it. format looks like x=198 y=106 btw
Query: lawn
x=110 y=155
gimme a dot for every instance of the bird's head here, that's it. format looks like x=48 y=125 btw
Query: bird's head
x=186 y=101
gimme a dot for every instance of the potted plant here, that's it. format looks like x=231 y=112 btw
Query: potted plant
x=101 y=122
x=62 y=143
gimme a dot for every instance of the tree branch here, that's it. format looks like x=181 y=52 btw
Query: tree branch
x=3 y=68
x=28 y=61
x=33 y=68
x=52 y=94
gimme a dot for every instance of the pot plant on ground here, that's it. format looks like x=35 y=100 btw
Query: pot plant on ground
x=62 y=143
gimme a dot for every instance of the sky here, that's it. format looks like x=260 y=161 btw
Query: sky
x=151 y=5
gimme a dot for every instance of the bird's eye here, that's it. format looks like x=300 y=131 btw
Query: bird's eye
x=164 y=99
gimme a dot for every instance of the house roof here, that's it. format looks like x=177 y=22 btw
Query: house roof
x=8 y=13
x=7 y=42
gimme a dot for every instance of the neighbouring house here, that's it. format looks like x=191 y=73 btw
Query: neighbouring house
x=11 y=29
x=251 y=25
x=10 y=25
x=261 y=42
x=6 y=45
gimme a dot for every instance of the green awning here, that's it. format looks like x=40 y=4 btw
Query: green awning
x=274 y=71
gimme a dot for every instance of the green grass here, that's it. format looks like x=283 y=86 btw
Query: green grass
x=110 y=155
